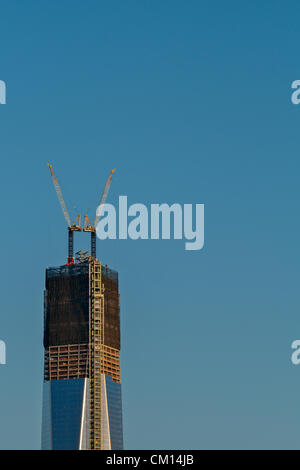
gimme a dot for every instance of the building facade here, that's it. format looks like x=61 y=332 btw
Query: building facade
x=82 y=403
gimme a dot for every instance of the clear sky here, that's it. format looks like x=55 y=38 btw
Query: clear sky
x=190 y=101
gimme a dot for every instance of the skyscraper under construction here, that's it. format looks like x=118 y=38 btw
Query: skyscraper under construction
x=82 y=405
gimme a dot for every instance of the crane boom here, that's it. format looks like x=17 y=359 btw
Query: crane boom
x=76 y=227
x=103 y=198
x=59 y=195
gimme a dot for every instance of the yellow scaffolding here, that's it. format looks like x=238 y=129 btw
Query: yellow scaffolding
x=96 y=340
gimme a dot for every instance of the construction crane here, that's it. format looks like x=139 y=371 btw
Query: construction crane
x=75 y=227
x=88 y=227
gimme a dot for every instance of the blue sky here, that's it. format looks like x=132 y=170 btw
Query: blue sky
x=190 y=101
